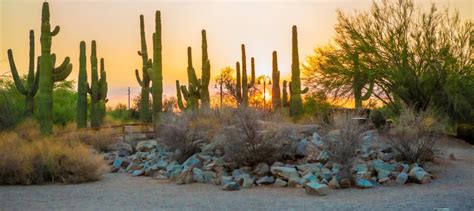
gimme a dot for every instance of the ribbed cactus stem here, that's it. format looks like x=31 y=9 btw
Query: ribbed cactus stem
x=245 y=99
x=252 y=72
x=296 y=104
x=157 y=72
x=82 y=87
x=94 y=88
x=102 y=91
x=191 y=93
x=206 y=73
x=285 y=100
x=32 y=80
x=48 y=74
x=144 y=82
x=238 y=86
x=276 y=99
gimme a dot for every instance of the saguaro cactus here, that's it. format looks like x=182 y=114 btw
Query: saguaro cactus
x=238 y=85
x=245 y=96
x=206 y=73
x=285 y=100
x=31 y=82
x=276 y=99
x=144 y=82
x=48 y=73
x=82 y=88
x=296 y=104
x=192 y=93
x=98 y=89
x=252 y=73
x=359 y=82
x=156 y=72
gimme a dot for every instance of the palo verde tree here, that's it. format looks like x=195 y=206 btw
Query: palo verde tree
x=32 y=80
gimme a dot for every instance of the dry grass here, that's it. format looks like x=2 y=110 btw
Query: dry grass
x=343 y=144
x=414 y=136
x=26 y=158
x=103 y=140
x=249 y=142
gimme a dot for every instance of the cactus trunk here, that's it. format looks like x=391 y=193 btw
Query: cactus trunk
x=156 y=73
x=245 y=99
x=48 y=73
x=192 y=93
x=82 y=86
x=94 y=88
x=296 y=104
x=206 y=73
x=285 y=100
x=32 y=79
x=276 y=99
x=238 y=86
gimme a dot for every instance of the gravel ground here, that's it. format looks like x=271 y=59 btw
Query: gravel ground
x=453 y=188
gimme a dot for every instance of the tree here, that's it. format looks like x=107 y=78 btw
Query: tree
x=418 y=57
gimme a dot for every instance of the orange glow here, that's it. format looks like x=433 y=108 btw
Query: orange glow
x=263 y=25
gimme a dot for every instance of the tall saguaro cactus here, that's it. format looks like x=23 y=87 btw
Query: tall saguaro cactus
x=245 y=96
x=192 y=93
x=206 y=73
x=48 y=73
x=296 y=104
x=285 y=100
x=156 y=72
x=32 y=80
x=82 y=88
x=98 y=89
x=144 y=82
x=238 y=85
x=276 y=99
x=252 y=73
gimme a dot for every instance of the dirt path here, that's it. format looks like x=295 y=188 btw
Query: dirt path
x=454 y=189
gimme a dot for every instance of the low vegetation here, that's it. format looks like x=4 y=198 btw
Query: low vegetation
x=27 y=158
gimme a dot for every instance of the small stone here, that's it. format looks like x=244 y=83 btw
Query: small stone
x=301 y=148
x=364 y=183
x=186 y=177
x=402 y=178
x=225 y=179
x=333 y=184
x=280 y=183
x=137 y=173
x=284 y=172
x=294 y=182
x=451 y=156
x=245 y=180
x=314 y=188
x=419 y=175
x=383 y=180
x=231 y=186
x=266 y=180
x=345 y=183
x=262 y=169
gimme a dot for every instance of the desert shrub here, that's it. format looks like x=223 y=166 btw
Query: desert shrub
x=345 y=139
x=249 y=142
x=317 y=105
x=377 y=119
x=183 y=133
x=34 y=161
x=121 y=112
x=414 y=136
x=103 y=140
x=465 y=132
x=12 y=104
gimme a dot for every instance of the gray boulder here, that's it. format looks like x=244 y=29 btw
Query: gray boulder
x=266 y=180
x=231 y=186
x=314 y=188
x=402 y=178
x=262 y=169
x=280 y=183
x=284 y=172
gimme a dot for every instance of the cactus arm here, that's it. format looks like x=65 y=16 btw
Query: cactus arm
x=62 y=75
x=31 y=69
x=179 y=97
x=55 y=31
x=37 y=76
x=305 y=90
x=369 y=91
x=140 y=53
x=14 y=71
x=185 y=92
x=53 y=59
x=252 y=73
x=149 y=71
x=137 y=75
x=63 y=66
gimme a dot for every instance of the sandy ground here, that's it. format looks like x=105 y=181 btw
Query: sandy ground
x=453 y=188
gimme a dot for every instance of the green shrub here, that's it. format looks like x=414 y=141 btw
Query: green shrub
x=377 y=119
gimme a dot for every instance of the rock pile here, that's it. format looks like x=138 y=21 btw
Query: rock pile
x=312 y=170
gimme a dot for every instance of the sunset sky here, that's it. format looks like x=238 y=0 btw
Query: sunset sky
x=263 y=26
